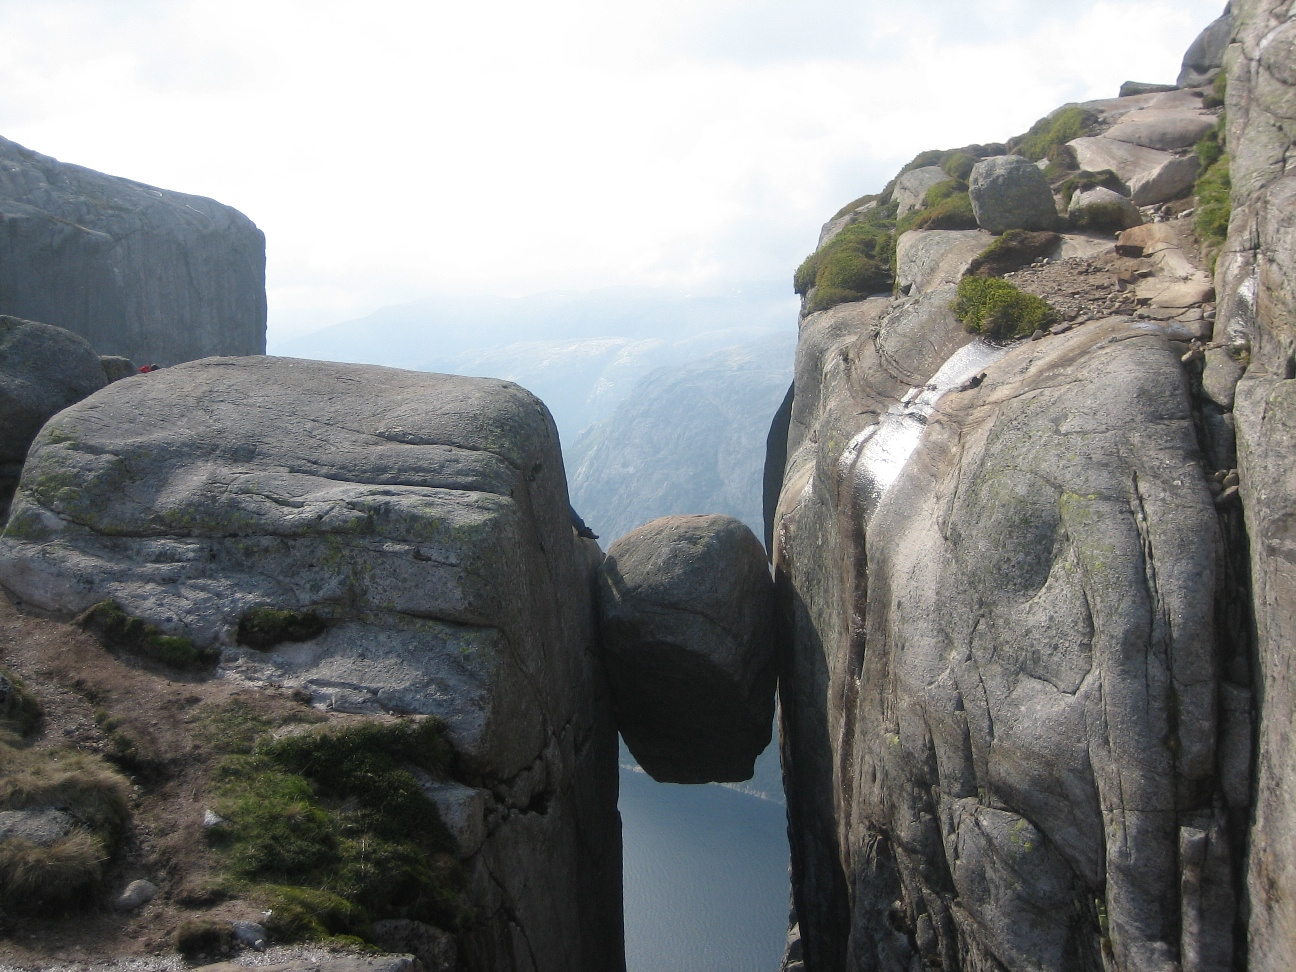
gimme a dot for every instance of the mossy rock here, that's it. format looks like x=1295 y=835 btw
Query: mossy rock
x=1085 y=180
x=995 y=309
x=69 y=870
x=329 y=826
x=118 y=631
x=1012 y=251
x=1218 y=93
x=262 y=628
x=948 y=207
x=1100 y=217
x=858 y=262
x=1051 y=133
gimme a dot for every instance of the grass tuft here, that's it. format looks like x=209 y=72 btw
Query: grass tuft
x=118 y=631
x=858 y=262
x=994 y=308
x=262 y=628
x=1214 y=209
x=20 y=712
x=65 y=873
x=1218 y=93
x=1052 y=132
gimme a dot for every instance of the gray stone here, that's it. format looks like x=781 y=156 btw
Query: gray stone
x=462 y=809
x=41 y=826
x=153 y=275
x=115 y=367
x=1205 y=56
x=976 y=697
x=1220 y=377
x=911 y=187
x=1152 y=176
x=434 y=948
x=929 y=259
x=1163 y=130
x=685 y=603
x=426 y=518
x=136 y=895
x=43 y=370
x=1131 y=88
x=253 y=935
x=1107 y=199
x=1008 y=192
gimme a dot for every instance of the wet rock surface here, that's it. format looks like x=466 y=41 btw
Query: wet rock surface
x=145 y=273
x=686 y=608
x=425 y=518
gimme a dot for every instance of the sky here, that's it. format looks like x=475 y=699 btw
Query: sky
x=393 y=150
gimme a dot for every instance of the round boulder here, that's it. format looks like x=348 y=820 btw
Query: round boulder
x=686 y=604
x=1010 y=192
x=1101 y=208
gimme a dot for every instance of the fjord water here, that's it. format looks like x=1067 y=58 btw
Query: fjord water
x=706 y=879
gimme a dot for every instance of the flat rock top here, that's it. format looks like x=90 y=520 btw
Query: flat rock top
x=298 y=422
x=31 y=182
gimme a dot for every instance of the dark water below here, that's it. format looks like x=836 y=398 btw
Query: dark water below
x=706 y=883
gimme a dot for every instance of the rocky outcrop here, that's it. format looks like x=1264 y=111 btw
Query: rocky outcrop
x=424 y=518
x=1205 y=57
x=1009 y=192
x=927 y=259
x=153 y=275
x=911 y=188
x=43 y=370
x=1101 y=203
x=1256 y=329
x=686 y=607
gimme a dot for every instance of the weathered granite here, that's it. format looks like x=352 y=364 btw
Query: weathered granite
x=1205 y=56
x=928 y=259
x=150 y=274
x=43 y=370
x=1256 y=318
x=426 y=518
x=1102 y=199
x=1010 y=192
x=1152 y=176
x=686 y=605
x=911 y=187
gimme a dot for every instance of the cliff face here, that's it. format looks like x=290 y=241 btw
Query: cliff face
x=421 y=522
x=149 y=274
x=1016 y=580
x=1257 y=283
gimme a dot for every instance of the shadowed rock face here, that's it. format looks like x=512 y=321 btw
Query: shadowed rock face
x=1205 y=57
x=43 y=370
x=153 y=275
x=425 y=517
x=687 y=632
x=1256 y=281
x=1002 y=738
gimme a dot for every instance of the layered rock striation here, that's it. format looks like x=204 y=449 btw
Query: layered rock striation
x=144 y=273
x=424 y=519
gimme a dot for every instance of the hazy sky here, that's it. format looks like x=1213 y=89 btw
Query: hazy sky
x=395 y=149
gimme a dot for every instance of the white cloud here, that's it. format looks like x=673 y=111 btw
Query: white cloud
x=395 y=148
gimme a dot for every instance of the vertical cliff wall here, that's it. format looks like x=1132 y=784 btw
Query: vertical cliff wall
x=1257 y=284
x=153 y=275
x=1034 y=619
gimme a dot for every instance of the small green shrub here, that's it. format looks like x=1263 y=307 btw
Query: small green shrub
x=262 y=628
x=1086 y=180
x=204 y=938
x=959 y=166
x=1214 y=209
x=954 y=212
x=20 y=712
x=1218 y=93
x=118 y=631
x=1052 y=132
x=994 y=308
x=1013 y=250
x=306 y=914
x=35 y=879
x=858 y=262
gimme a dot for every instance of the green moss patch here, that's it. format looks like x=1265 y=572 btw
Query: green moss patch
x=947 y=206
x=262 y=628
x=331 y=829
x=995 y=309
x=20 y=712
x=1012 y=251
x=1218 y=93
x=1051 y=133
x=1214 y=209
x=858 y=262
x=68 y=871
x=850 y=207
x=118 y=631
